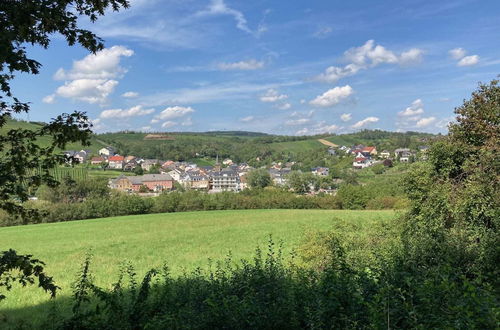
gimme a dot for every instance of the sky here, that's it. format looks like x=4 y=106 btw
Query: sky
x=282 y=67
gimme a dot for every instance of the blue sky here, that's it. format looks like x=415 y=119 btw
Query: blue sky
x=285 y=67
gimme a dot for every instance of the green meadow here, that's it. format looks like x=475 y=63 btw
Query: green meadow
x=184 y=241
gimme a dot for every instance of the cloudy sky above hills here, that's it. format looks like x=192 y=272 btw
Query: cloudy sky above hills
x=286 y=67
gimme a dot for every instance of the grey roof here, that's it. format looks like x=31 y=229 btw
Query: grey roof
x=155 y=177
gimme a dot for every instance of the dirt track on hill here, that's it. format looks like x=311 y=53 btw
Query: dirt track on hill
x=328 y=143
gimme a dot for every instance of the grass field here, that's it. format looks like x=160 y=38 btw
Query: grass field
x=182 y=240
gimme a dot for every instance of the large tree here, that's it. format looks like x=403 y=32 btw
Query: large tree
x=24 y=164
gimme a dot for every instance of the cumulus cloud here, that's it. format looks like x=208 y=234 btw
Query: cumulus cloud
x=284 y=106
x=104 y=64
x=332 y=96
x=366 y=56
x=49 y=99
x=242 y=65
x=469 y=60
x=345 y=117
x=424 y=122
x=138 y=110
x=364 y=122
x=247 y=119
x=272 y=96
x=93 y=78
x=174 y=112
x=130 y=95
x=415 y=109
x=87 y=90
x=459 y=55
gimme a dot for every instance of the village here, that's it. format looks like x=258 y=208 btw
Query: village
x=154 y=176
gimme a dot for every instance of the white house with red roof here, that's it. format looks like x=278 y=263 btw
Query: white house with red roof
x=116 y=162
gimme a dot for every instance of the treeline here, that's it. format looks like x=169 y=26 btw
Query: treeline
x=92 y=199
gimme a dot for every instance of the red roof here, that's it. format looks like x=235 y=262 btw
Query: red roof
x=368 y=149
x=360 y=159
x=116 y=159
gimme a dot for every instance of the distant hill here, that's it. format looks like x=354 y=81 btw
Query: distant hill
x=243 y=146
x=45 y=141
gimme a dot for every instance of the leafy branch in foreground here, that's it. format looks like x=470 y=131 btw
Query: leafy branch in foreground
x=23 y=269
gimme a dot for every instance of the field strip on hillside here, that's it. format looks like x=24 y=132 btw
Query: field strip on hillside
x=328 y=143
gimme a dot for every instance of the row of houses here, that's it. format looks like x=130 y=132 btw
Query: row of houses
x=366 y=156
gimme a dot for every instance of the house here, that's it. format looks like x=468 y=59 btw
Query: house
x=406 y=157
x=225 y=180
x=176 y=174
x=149 y=163
x=321 y=171
x=279 y=176
x=81 y=156
x=97 y=160
x=423 y=152
x=332 y=151
x=196 y=180
x=361 y=162
x=385 y=154
x=154 y=182
x=227 y=162
x=157 y=182
x=400 y=151
x=369 y=151
x=107 y=151
x=130 y=165
x=116 y=162
x=128 y=158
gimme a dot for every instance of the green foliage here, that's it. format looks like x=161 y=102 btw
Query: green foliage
x=259 y=178
x=23 y=269
x=138 y=170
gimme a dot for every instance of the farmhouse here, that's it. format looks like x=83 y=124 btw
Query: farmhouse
x=107 y=151
x=154 y=182
x=115 y=162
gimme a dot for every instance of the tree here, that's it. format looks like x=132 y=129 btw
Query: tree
x=455 y=195
x=259 y=178
x=34 y=22
x=138 y=170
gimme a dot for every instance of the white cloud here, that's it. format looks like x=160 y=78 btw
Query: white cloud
x=130 y=95
x=242 y=65
x=323 y=32
x=49 y=99
x=104 y=64
x=218 y=7
x=138 y=110
x=297 y=122
x=424 y=122
x=469 y=60
x=87 y=90
x=247 y=119
x=155 y=121
x=345 y=117
x=457 y=53
x=318 y=128
x=272 y=95
x=412 y=56
x=174 y=112
x=284 y=106
x=365 y=122
x=332 y=96
x=93 y=78
x=415 y=109
x=168 y=124
x=366 y=56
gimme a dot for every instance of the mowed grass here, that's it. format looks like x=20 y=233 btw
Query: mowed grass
x=184 y=241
